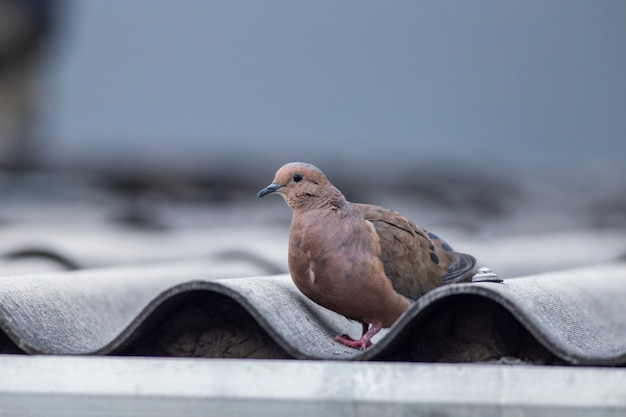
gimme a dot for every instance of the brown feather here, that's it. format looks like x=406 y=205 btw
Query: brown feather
x=405 y=252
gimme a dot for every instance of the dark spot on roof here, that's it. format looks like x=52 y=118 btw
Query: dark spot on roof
x=432 y=235
x=446 y=247
x=431 y=247
x=434 y=258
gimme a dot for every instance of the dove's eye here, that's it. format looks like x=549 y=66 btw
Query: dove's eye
x=297 y=177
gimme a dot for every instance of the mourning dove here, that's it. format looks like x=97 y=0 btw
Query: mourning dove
x=362 y=261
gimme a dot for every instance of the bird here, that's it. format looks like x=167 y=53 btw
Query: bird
x=362 y=261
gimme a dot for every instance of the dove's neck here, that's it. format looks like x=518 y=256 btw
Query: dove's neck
x=332 y=198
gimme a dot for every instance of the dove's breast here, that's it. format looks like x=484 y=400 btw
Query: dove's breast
x=334 y=260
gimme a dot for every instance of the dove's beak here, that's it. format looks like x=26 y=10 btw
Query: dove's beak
x=268 y=190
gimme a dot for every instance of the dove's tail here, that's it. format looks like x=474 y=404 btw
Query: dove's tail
x=461 y=270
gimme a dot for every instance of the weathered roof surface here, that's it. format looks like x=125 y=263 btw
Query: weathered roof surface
x=188 y=308
x=203 y=278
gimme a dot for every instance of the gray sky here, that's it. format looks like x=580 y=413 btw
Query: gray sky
x=198 y=82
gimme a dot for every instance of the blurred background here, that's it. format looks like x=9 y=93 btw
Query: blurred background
x=500 y=125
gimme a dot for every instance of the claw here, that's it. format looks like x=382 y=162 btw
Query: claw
x=360 y=344
x=364 y=342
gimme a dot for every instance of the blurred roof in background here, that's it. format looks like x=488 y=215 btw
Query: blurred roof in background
x=480 y=120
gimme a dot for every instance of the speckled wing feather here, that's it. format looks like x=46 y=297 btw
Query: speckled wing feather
x=415 y=260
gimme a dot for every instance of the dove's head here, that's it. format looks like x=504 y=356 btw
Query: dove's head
x=302 y=185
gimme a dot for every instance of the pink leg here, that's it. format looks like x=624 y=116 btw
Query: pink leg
x=365 y=341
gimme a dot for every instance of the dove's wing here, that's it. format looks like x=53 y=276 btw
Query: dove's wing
x=415 y=260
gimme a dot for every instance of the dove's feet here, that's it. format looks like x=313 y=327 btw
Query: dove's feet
x=364 y=342
x=360 y=344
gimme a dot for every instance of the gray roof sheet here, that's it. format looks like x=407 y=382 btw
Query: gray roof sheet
x=187 y=308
